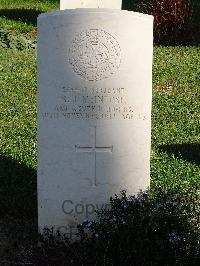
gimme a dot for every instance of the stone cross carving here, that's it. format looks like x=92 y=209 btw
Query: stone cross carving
x=71 y=4
x=94 y=149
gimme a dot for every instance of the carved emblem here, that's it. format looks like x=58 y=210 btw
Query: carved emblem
x=94 y=55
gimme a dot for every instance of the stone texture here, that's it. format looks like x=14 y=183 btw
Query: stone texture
x=94 y=111
x=71 y=4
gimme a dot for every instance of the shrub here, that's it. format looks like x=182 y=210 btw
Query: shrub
x=14 y=40
x=172 y=20
x=135 y=231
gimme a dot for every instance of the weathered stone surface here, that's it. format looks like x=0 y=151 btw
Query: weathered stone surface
x=94 y=116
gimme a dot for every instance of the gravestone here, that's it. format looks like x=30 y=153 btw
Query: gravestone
x=70 y=4
x=94 y=111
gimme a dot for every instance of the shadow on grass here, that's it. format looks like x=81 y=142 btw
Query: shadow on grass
x=18 y=187
x=189 y=152
x=18 y=209
x=28 y=16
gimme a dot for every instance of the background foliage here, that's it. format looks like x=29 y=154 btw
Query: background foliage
x=175 y=21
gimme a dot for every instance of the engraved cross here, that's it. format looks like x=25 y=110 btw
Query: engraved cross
x=94 y=149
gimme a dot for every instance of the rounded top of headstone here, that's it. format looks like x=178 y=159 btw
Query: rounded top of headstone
x=77 y=11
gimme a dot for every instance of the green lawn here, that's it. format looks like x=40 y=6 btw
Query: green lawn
x=22 y=14
x=18 y=132
x=176 y=118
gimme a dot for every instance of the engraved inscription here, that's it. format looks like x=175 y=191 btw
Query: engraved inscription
x=94 y=149
x=95 y=55
x=91 y=103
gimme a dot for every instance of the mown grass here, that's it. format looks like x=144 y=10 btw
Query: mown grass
x=18 y=106
x=176 y=118
x=22 y=15
x=18 y=132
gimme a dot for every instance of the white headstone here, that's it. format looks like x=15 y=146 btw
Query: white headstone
x=71 y=4
x=94 y=98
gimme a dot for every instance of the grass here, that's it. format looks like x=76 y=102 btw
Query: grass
x=176 y=118
x=22 y=15
x=18 y=132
